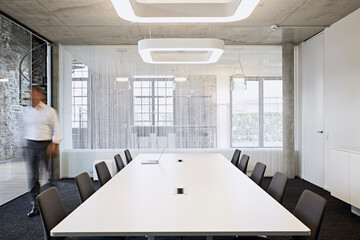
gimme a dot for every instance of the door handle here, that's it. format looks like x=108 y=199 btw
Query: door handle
x=320 y=131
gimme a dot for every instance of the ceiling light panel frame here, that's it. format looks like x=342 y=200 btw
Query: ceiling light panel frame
x=181 y=50
x=175 y=11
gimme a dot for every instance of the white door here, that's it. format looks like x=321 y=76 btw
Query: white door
x=312 y=80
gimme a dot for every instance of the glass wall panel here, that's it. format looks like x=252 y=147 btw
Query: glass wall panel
x=245 y=116
x=152 y=110
x=273 y=113
x=15 y=46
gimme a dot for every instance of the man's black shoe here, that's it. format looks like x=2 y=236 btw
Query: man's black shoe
x=33 y=212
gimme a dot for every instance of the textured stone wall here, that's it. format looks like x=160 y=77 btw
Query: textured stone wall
x=14 y=43
x=38 y=66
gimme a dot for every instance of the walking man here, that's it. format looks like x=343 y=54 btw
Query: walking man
x=42 y=136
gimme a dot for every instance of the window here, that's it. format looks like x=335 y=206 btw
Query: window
x=245 y=116
x=79 y=112
x=153 y=102
x=272 y=113
x=257 y=113
x=79 y=97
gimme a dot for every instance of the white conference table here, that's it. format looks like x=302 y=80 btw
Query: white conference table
x=218 y=199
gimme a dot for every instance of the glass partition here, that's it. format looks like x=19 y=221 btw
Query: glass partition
x=118 y=101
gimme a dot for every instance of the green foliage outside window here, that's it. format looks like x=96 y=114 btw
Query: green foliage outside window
x=245 y=129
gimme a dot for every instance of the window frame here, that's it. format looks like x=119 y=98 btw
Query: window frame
x=261 y=80
x=87 y=78
x=154 y=98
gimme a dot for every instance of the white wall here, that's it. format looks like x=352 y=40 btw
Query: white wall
x=342 y=86
x=341 y=73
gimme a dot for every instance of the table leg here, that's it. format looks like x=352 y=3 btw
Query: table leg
x=209 y=238
x=151 y=237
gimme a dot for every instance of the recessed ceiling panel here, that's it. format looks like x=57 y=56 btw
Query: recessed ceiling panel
x=181 y=50
x=184 y=11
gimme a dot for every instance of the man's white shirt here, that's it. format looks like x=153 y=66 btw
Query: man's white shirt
x=41 y=124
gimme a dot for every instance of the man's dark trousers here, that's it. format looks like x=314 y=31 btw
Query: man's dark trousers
x=36 y=154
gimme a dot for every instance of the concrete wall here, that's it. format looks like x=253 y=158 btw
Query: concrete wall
x=14 y=43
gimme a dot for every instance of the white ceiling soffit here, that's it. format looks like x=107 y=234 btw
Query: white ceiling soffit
x=175 y=11
x=181 y=50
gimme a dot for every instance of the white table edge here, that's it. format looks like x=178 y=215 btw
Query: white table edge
x=136 y=234
x=187 y=233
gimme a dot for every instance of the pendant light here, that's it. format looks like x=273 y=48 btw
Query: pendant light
x=121 y=77
x=238 y=78
x=180 y=77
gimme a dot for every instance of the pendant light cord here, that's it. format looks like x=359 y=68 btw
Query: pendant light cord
x=238 y=63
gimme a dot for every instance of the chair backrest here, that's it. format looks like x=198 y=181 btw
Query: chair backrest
x=310 y=210
x=103 y=173
x=119 y=162
x=243 y=163
x=84 y=186
x=236 y=156
x=128 y=156
x=277 y=187
x=52 y=210
x=257 y=174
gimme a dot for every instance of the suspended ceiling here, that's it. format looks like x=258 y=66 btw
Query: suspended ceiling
x=96 y=22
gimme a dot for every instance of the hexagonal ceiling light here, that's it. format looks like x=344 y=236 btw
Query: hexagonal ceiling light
x=176 y=11
x=181 y=50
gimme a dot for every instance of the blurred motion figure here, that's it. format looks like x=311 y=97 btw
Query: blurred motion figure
x=42 y=136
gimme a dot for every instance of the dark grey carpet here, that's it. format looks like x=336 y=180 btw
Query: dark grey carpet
x=339 y=222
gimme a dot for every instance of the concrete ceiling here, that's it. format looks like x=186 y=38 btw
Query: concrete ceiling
x=96 y=22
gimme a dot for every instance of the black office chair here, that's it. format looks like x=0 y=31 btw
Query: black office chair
x=277 y=187
x=128 y=156
x=236 y=156
x=243 y=164
x=310 y=210
x=103 y=173
x=84 y=186
x=52 y=210
x=257 y=174
x=119 y=162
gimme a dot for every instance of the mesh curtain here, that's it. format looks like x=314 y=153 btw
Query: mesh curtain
x=151 y=110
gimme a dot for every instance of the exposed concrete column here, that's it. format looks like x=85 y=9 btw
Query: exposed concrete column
x=288 y=165
x=55 y=79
